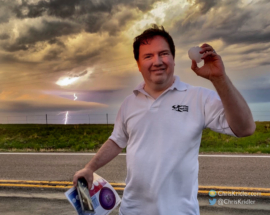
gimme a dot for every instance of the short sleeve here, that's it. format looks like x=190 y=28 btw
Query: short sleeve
x=119 y=134
x=215 y=115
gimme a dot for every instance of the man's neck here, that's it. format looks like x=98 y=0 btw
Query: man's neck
x=155 y=92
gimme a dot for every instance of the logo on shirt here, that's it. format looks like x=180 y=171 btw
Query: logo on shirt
x=180 y=108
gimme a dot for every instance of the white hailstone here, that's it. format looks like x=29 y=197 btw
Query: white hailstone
x=194 y=54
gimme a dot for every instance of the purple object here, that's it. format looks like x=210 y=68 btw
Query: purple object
x=107 y=198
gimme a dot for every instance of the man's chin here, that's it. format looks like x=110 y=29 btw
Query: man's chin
x=159 y=80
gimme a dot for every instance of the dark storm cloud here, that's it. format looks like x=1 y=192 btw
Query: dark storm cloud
x=10 y=59
x=92 y=96
x=100 y=96
x=266 y=63
x=52 y=55
x=81 y=73
x=71 y=8
x=16 y=47
x=4 y=36
x=256 y=89
x=80 y=58
x=256 y=95
x=61 y=8
x=5 y=10
x=7 y=58
x=24 y=106
x=63 y=18
x=13 y=106
x=105 y=96
x=229 y=21
x=48 y=31
x=3 y=18
x=253 y=36
x=114 y=27
x=92 y=14
x=255 y=50
x=204 y=5
x=56 y=41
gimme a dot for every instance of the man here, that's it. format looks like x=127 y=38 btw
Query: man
x=161 y=124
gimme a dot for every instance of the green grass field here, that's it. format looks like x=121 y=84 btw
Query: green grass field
x=29 y=137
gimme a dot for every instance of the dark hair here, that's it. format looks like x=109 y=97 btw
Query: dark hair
x=150 y=33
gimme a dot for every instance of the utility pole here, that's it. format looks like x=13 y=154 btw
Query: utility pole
x=107 y=121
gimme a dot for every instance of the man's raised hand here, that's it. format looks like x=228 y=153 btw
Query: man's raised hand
x=213 y=67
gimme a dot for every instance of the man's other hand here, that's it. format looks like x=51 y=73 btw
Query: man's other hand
x=86 y=173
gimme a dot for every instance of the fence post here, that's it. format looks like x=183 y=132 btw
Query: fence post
x=107 y=120
x=46 y=120
x=26 y=119
x=89 y=118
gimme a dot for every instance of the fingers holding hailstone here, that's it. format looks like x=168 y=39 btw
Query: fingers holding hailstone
x=207 y=50
x=210 y=53
x=194 y=66
x=206 y=47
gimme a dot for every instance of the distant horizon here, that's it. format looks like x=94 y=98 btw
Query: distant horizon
x=72 y=120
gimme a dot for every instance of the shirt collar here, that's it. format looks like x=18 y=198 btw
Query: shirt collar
x=178 y=85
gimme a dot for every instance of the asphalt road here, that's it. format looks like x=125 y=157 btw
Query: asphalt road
x=60 y=206
x=222 y=170
x=22 y=206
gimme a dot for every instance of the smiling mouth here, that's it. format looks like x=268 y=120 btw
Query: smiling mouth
x=158 y=70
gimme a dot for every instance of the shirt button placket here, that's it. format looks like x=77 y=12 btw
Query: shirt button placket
x=154 y=106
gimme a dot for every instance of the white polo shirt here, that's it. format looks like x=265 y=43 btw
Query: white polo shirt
x=163 y=137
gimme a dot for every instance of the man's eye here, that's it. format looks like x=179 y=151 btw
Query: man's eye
x=165 y=53
x=147 y=56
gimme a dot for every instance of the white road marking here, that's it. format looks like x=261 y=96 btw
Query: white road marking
x=30 y=153
x=87 y=154
x=237 y=156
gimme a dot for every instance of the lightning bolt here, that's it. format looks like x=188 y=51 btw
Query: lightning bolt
x=66 y=118
x=75 y=98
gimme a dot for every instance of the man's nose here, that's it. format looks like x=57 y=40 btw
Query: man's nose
x=157 y=61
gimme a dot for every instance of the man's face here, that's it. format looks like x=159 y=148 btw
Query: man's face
x=156 y=62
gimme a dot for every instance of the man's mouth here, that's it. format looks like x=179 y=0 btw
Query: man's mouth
x=157 y=70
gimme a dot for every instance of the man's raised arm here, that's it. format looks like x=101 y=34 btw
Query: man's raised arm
x=237 y=112
x=105 y=154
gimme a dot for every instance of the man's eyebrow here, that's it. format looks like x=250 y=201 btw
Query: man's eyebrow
x=166 y=50
x=147 y=54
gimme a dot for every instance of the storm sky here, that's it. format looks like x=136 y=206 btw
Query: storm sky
x=53 y=49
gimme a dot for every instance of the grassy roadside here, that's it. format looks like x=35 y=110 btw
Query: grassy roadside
x=70 y=138
x=39 y=137
x=259 y=142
